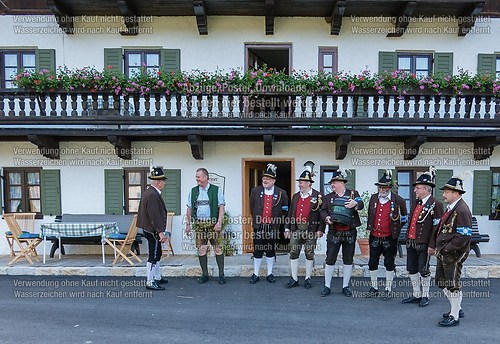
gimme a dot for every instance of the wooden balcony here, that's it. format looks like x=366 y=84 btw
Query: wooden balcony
x=361 y=115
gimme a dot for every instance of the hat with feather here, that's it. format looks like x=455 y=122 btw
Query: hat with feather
x=427 y=178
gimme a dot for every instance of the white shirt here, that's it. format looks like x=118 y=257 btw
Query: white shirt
x=425 y=199
x=452 y=205
x=159 y=191
x=269 y=191
x=384 y=199
x=307 y=194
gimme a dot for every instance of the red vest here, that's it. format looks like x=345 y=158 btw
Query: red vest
x=267 y=209
x=382 y=223
x=412 y=232
x=303 y=209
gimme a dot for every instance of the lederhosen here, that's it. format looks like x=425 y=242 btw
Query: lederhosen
x=394 y=215
x=304 y=233
x=204 y=228
x=453 y=246
x=265 y=235
x=340 y=235
x=425 y=218
x=152 y=237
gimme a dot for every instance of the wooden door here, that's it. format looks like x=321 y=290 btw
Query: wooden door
x=252 y=175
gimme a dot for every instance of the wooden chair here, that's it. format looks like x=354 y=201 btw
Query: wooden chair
x=27 y=223
x=124 y=251
x=27 y=242
x=166 y=247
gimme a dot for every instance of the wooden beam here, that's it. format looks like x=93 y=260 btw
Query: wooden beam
x=335 y=19
x=341 y=145
x=412 y=146
x=268 y=144
x=48 y=145
x=123 y=146
x=63 y=19
x=468 y=19
x=270 y=6
x=201 y=16
x=483 y=147
x=129 y=16
x=403 y=19
x=196 y=143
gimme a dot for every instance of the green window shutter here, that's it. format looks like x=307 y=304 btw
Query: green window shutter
x=486 y=64
x=443 y=63
x=171 y=60
x=351 y=177
x=442 y=177
x=387 y=61
x=45 y=59
x=113 y=192
x=113 y=57
x=172 y=192
x=51 y=192
x=1 y=194
x=481 y=193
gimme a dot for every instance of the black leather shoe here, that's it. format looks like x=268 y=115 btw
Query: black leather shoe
x=203 y=279
x=372 y=292
x=326 y=291
x=461 y=314
x=254 y=279
x=387 y=295
x=161 y=281
x=308 y=283
x=424 y=302
x=222 y=280
x=270 y=278
x=292 y=283
x=449 y=321
x=412 y=299
x=154 y=286
x=347 y=291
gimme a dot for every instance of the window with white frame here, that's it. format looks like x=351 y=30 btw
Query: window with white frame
x=142 y=61
x=418 y=64
x=328 y=60
x=22 y=190
x=12 y=62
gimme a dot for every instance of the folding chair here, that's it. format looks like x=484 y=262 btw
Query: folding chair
x=166 y=247
x=27 y=223
x=125 y=241
x=27 y=242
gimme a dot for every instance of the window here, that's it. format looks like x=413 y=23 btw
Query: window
x=23 y=190
x=136 y=181
x=141 y=61
x=495 y=192
x=497 y=69
x=326 y=173
x=418 y=64
x=405 y=179
x=328 y=60
x=12 y=62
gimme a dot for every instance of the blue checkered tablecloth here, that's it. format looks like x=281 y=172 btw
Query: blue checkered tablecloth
x=74 y=229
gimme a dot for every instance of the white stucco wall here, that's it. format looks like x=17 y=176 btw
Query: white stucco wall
x=82 y=187
x=223 y=47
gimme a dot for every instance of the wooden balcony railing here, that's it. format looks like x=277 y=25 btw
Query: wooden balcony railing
x=362 y=108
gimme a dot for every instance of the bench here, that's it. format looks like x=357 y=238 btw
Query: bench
x=474 y=244
x=123 y=222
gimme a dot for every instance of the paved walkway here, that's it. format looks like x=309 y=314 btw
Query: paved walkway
x=488 y=266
